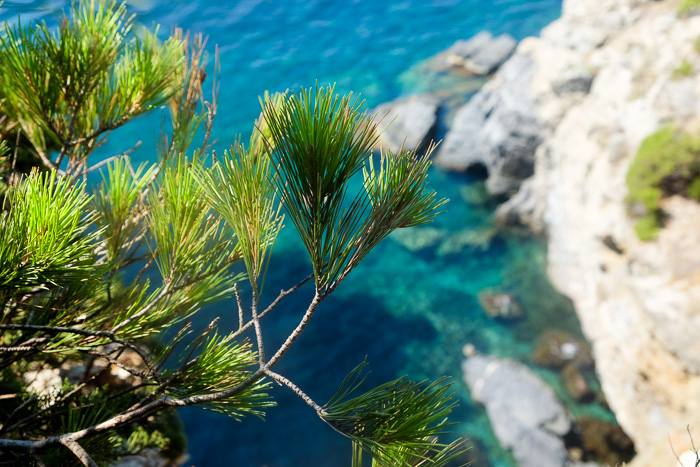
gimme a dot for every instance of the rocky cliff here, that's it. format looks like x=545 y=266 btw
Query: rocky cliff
x=558 y=127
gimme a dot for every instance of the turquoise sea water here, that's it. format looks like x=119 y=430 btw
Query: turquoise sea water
x=412 y=305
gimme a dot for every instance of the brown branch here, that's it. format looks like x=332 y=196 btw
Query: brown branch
x=84 y=332
x=240 y=305
x=110 y=159
x=79 y=452
x=115 y=362
x=318 y=298
x=258 y=329
x=14 y=154
x=16 y=411
x=131 y=415
x=284 y=293
x=208 y=126
x=39 y=461
x=281 y=380
x=16 y=349
x=107 y=127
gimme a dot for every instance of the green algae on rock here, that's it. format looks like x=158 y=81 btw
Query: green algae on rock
x=667 y=163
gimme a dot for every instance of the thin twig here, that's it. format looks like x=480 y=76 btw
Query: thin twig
x=16 y=349
x=284 y=293
x=240 y=305
x=258 y=329
x=144 y=268
x=79 y=452
x=318 y=298
x=108 y=127
x=16 y=411
x=84 y=332
x=281 y=380
x=47 y=162
x=145 y=310
x=115 y=362
x=39 y=461
x=110 y=159
x=14 y=155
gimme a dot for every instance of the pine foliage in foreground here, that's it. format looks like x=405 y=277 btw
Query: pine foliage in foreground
x=93 y=277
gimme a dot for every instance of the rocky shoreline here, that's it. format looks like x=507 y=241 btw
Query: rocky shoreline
x=556 y=129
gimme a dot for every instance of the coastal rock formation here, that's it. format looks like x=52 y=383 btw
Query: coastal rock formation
x=500 y=305
x=502 y=126
x=597 y=82
x=556 y=349
x=525 y=414
x=482 y=54
x=409 y=123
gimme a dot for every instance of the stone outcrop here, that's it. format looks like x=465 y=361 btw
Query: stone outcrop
x=526 y=416
x=556 y=349
x=410 y=123
x=500 y=306
x=597 y=82
x=482 y=54
x=502 y=126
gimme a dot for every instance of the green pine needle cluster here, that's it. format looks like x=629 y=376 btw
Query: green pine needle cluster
x=71 y=85
x=319 y=142
x=398 y=422
x=44 y=239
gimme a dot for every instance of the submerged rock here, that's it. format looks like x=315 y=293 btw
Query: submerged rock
x=556 y=348
x=576 y=385
x=525 y=414
x=410 y=123
x=604 y=441
x=500 y=305
x=478 y=239
x=482 y=54
x=475 y=194
x=418 y=238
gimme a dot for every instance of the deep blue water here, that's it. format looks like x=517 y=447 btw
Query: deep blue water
x=411 y=306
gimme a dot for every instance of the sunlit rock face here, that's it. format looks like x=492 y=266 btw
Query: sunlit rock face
x=408 y=124
x=502 y=126
x=602 y=79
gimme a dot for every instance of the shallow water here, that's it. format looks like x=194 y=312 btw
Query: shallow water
x=412 y=304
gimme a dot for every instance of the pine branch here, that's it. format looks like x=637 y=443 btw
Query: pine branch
x=144 y=310
x=79 y=452
x=240 y=306
x=258 y=329
x=281 y=380
x=284 y=293
x=84 y=332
